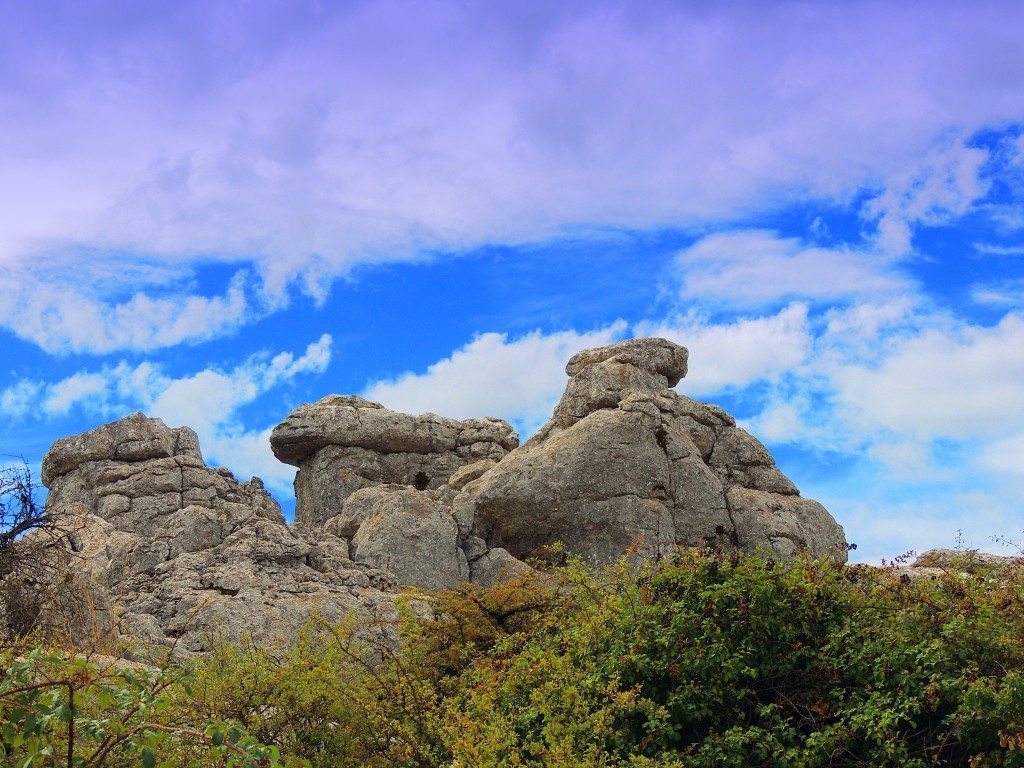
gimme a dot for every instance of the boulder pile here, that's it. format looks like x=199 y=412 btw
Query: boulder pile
x=180 y=554
x=177 y=554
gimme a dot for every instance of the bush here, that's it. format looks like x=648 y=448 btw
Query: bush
x=709 y=659
x=726 y=660
x=68 y=710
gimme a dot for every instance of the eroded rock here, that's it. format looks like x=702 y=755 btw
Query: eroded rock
x=344 y=443
x=626 y=464
x=179 y=555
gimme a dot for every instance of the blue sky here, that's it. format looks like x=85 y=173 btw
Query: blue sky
x=216 y=211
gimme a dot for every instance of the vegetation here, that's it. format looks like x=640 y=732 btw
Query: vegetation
x=709 y=659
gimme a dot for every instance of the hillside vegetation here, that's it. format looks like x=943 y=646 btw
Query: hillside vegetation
x=707 y=659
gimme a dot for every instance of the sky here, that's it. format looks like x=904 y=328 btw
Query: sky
x=216 y=211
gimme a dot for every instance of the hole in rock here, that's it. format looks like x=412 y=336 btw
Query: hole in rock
x=421 y=481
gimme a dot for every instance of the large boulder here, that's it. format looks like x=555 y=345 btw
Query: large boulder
x=344 y=443
x=409 y=534
x=176 y=554
x=627 y=465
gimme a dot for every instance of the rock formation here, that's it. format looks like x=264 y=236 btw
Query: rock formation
x=343 y=443
x=175 y=552
x=179 y=554
x=626 y=462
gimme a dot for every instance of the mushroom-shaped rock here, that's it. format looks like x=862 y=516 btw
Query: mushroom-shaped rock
x=343 y=443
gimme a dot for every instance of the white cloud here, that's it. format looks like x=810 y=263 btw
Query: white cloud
x=208 y=401
x=310 y=145
x=18 y=398
x=1008 y=293
x=739 y=353
x=757 y=267
x=942 y=382
x=933 y=191
x=59 y=315
x=75 y=390
x=1005 y=458
x=991 y=249
x=519 y=380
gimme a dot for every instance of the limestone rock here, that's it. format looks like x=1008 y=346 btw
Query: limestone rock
x=496 y=566
x=936 y=561
x=177 y=554
x=627 y=465
x=407 y=533
x=344 y=443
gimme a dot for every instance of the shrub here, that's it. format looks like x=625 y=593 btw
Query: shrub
x=707 y=659
x=58 y=709
x=727 y=660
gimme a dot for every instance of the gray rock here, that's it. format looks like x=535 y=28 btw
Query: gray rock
x=407 y=533
x=344 y=443
x=495 y=567
x=627 y=465
x=965 y=561
x=174 y=553
x=180 y=555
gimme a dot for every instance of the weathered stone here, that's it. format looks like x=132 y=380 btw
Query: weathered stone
x=180 y=555
x=132 y=439
x=495 y=567
x=177 y=554
x=406 y=532
x=653 y=355
x=965 y=561
x=627 y=465
x=342 y=444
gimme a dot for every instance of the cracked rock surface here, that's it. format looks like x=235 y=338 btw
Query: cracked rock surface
x=343 y=443
x=179 y=555
x=627 y=462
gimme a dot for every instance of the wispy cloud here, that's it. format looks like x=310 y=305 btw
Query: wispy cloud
x=752 y=268
x=369 y=132
x=991 y=249
x=739 y=353
x=939 y=187
x=1005 y=293
x=208 y=401
x=63 y=314
x=519 y=380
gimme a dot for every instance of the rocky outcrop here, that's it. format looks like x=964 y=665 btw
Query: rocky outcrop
x=626 y=464
x=344 y=443
x=937 y=562
x=178 y=554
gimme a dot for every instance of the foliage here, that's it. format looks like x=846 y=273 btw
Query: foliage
x=709 y=659
x=71 y=711
x=726 y=660
x=340 y=699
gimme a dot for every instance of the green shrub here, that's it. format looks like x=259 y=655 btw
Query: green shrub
x=726 y=660
x=70 y=710
x=703 y=660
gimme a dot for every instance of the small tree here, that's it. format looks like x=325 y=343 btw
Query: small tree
x=31 y=544
x=19 y=511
